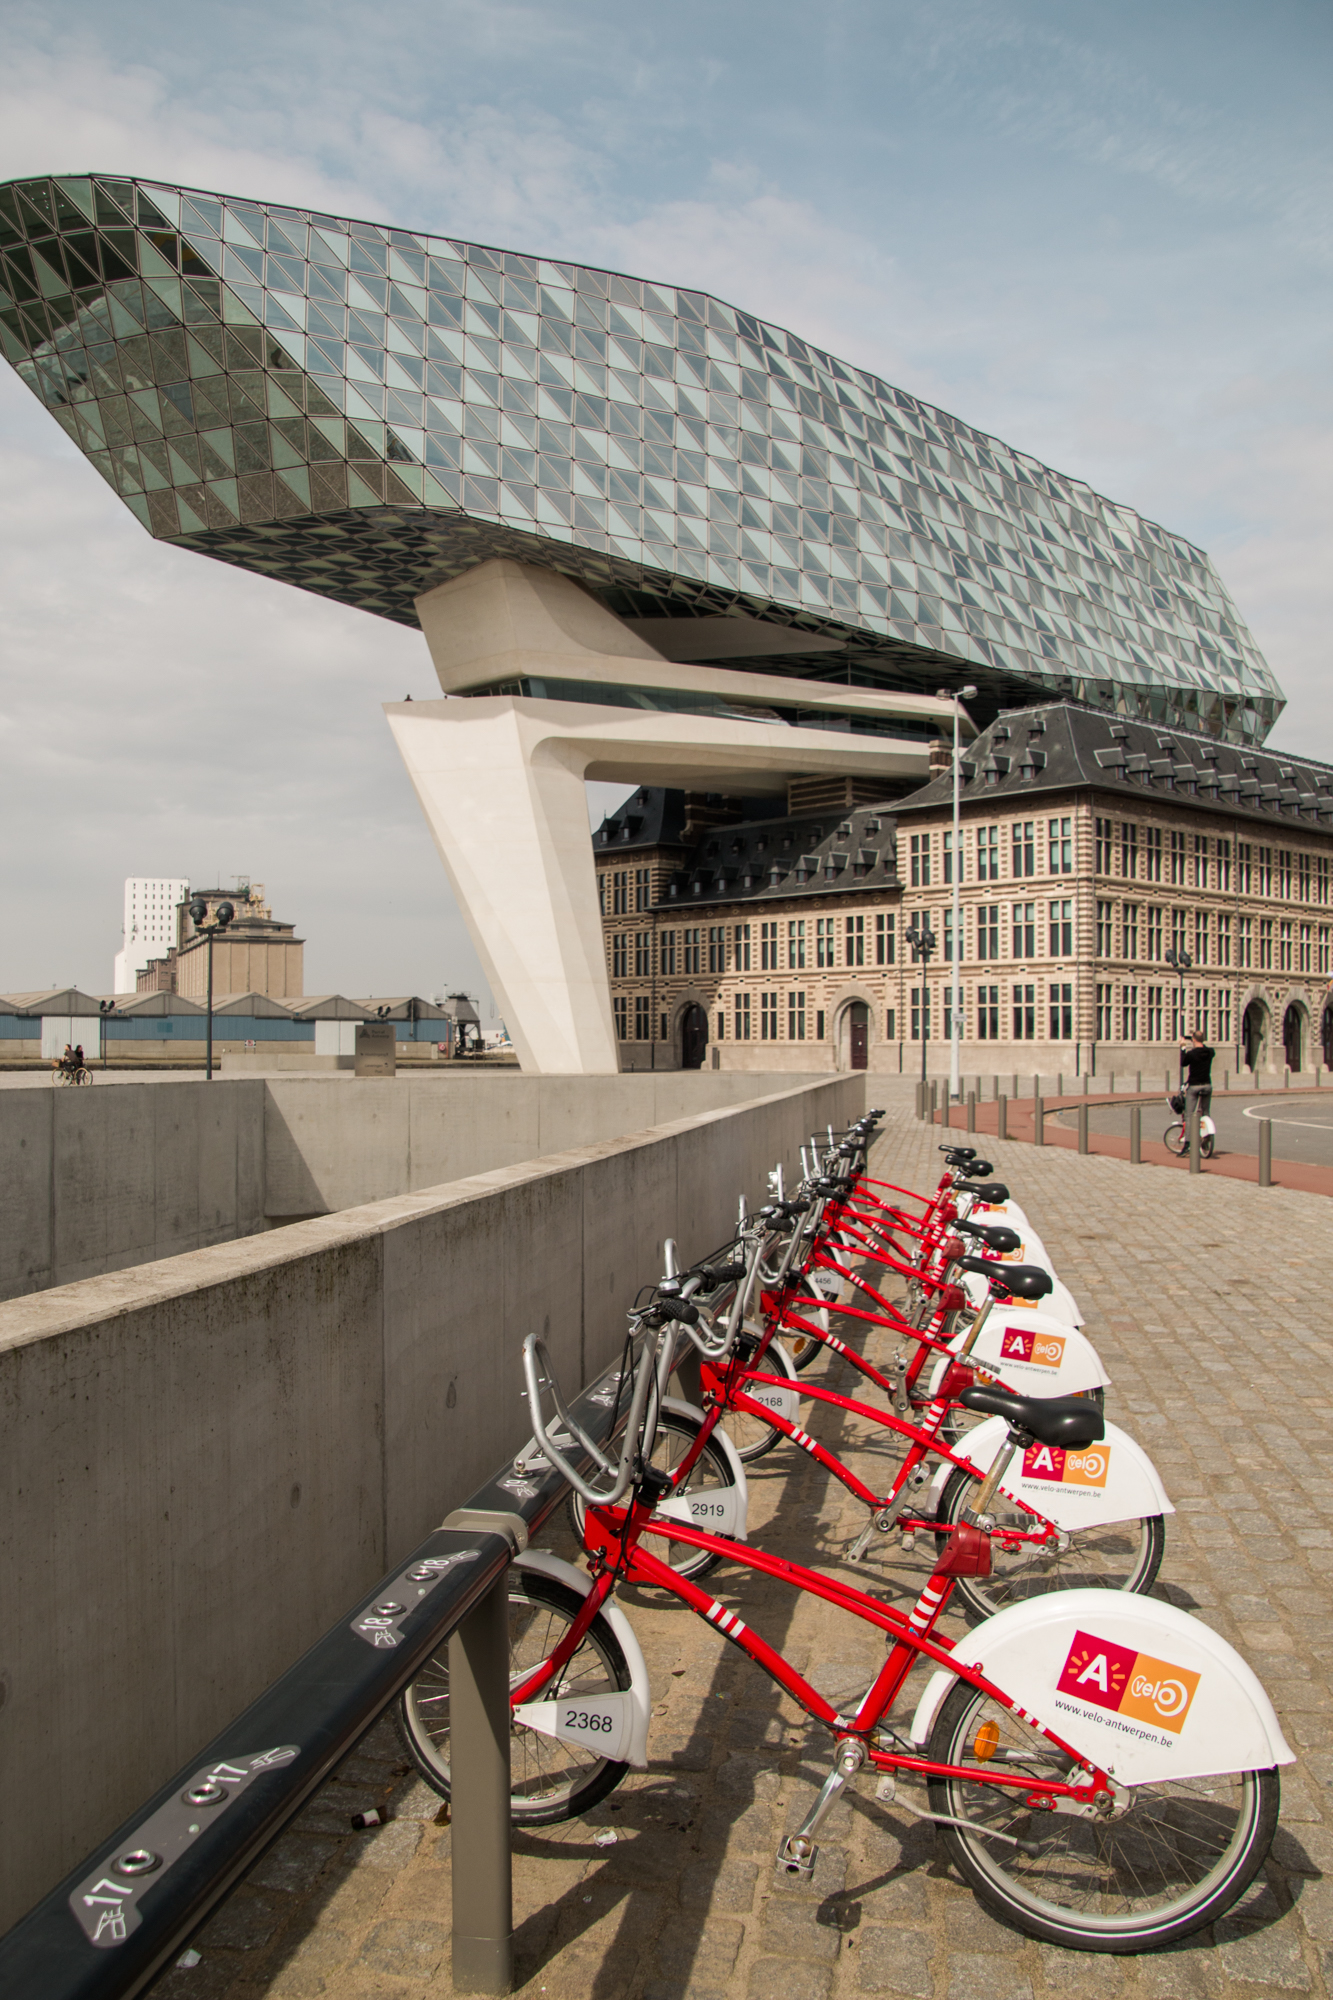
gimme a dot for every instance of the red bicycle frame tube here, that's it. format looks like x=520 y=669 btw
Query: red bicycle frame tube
x=612 y=1537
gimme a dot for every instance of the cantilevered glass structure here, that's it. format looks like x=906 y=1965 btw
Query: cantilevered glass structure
x=367 y=412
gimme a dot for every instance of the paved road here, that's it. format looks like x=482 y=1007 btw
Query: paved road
x=1208 y=1300
x=1302 y=1124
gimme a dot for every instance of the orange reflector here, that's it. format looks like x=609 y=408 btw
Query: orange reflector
x=987 y=1743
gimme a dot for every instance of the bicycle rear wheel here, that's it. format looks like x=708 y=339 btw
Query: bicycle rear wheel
x=549 y=1780
x=1175 y=1859
x=1121 y=1555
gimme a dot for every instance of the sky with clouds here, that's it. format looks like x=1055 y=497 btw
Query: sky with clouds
x=1101 y=233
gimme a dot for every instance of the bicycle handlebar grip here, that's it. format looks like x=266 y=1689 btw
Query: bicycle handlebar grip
x=680 y=1309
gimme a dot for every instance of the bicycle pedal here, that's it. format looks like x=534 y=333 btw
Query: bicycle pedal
x=797 y=1856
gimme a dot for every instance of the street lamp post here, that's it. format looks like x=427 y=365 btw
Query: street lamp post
x=1182 y=962
x=957 y=697
x=222 y=916
x=923 y=941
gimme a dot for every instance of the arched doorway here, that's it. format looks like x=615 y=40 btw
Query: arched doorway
x=693 y=1036
x=858 y=1035
x=1293 y=1036
x=1254 y=1033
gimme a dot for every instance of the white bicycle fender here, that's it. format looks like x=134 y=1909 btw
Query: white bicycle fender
x=1114 y=1480
x=783 y=1402
x=722 y=1510
x=1036 y=1354
x=1138 y=1687
x=1007 y=1212
x=636 y=1702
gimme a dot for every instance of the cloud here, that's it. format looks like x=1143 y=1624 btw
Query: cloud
x=1105 y=256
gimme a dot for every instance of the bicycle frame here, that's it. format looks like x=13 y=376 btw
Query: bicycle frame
x=613 y=1542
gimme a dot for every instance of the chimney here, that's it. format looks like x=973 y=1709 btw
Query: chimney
x=941 y=756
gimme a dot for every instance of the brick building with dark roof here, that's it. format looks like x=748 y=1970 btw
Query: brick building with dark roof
x=1091 y=848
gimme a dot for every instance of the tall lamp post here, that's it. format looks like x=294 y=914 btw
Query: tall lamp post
x=957 y=696
x=923 y=941
x=222 y=916
x=1182 y=962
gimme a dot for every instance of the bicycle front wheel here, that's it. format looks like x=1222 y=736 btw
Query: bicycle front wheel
x=1176 y=1140
x=1121 y=1555
x=548 y=1780
x=710 y=1473
x=1175 y=1859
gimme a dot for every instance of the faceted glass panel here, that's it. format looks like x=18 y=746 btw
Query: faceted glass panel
x=365 y=412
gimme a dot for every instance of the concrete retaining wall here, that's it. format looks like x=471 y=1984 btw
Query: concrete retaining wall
x=205 y=1460
x=95 y=1180
x=99 y=1180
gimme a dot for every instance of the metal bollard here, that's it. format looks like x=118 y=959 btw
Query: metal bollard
x=1083 y=1128
x=481 y=1866
x=1002 y=1118
x=1265 y=1152
x=971 y=1111
x=1059 y=1083
x=1038 y=1116
x=1286 y=1076
x=1111 y=1085
x=1036 y=1089
x=1136 y=1135
x=1138 y=1081
x=1196 y=1145
x=1087 y=1081
x=1014 y=1092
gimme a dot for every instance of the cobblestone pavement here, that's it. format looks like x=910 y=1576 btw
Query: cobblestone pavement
x=1208 y=1302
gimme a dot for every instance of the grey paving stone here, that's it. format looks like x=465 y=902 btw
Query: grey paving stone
x=973 y=1976
x=797 y=1929
x=705 y=1885
x=295 y=1862
x=781 y=1979
x=1271 y=1958
x=410 y=1948
x=246 y=1921
x=893 y=1961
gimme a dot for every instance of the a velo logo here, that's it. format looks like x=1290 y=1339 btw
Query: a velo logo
x=1070 y=1468
x=1130 y=1683
x=1043 y=1350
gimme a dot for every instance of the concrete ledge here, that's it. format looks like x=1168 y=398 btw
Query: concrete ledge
x=209 y=1456
x=93 y=1181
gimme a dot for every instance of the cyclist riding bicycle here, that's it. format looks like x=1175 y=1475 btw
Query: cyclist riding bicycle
x=1196 y=1073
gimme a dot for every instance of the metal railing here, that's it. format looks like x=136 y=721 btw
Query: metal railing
x=121 y=1916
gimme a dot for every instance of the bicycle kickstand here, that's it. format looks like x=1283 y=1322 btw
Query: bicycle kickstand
x=800 y=1850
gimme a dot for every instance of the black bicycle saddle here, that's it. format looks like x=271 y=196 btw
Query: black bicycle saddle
x=1067 y=1421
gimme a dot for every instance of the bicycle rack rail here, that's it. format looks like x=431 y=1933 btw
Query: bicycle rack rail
x=118 y=1919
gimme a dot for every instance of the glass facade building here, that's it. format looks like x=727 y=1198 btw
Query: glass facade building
x=365 y=412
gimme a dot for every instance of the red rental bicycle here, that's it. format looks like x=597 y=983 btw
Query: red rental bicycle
x=1039 y=1542
x=1103 y=1768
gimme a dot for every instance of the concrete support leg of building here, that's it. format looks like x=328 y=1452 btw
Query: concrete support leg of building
x=500 y=777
